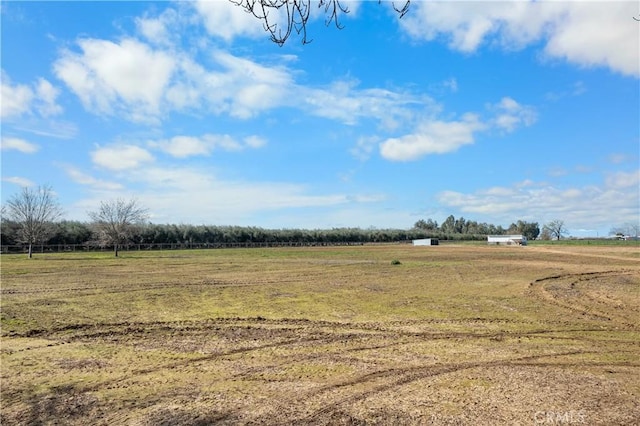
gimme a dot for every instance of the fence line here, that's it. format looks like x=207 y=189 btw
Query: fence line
x=63 y=248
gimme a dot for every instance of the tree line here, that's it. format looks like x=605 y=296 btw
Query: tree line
x=69 y=232
x=472 y=229
x=33 y=216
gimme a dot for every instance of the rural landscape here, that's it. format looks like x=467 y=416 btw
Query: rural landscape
x=456 y=334
x=320 y=212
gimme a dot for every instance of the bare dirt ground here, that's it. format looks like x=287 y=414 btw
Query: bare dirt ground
x=454 y=335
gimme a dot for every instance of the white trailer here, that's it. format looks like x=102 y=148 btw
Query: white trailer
x=507 y=240
x=426 y=242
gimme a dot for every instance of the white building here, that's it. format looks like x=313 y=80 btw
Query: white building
x=426 y=242
x=507 y=240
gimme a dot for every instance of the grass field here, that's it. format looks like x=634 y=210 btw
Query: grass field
x=447 y=335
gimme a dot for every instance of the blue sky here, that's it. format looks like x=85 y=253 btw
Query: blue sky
x=494 y=111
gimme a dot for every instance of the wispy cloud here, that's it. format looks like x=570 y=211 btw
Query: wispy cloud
x=187 y=146
x=364 y=147
x=17 y=180
x=510 y=115
x=17 y=144
x=85 y=179
x=195 y=195
x=619 y=158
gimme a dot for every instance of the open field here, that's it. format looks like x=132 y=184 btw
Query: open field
x=455 y=334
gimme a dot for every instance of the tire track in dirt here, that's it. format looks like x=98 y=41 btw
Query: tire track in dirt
x=124 y=288
x=580 y=254
x=568 y=282
x=89 y=331
x=296 y=334
x=317 y=332
x=394 y=378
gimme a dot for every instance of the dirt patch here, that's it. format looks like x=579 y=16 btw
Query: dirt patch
x=488 y=336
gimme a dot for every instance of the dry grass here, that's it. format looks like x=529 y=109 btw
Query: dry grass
x=451 y=335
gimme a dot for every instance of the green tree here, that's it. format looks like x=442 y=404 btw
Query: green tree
x=428 y=225
x=449 y=225
x=530 y=230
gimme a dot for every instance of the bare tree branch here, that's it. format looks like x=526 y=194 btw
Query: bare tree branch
x=34 y=210
x=114 y=221
x=281 y=17
x=556 y=229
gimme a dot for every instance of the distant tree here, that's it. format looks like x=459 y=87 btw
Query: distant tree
x=460 y=226
x=545 y=235
x=556 y=229
x=449 y=225
x=627 y=229
x=8 y=228
x=34 y=211
x=530 y=230
x=428 y=225
x=282 y=17
x=70 y=232
x=421 y=224
x=114 y=221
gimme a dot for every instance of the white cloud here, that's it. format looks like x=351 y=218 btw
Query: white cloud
x=557 y=171
x=255 y=142
x=17 y=144
x=226 y=20
x=613 y=201
x=16 y=99
x=451 y=84
x=344 y=102
x=511 y=115
x=183 y=146
x=21 y=99
x=161 y=29
x=249 y=86
x=153 y=30
x=85 y=179
x=20 y=181
x=576 y=89
x=187 y=146
x=194 y=195
x=105 y=74
x=46 y=93
x=583 y=33
x=619 y=158
x=49 y=128
x=624 y=180
x=364 y=147
x=121 y=157
x=140 y=83
x=436 y=136
x=432 y=137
